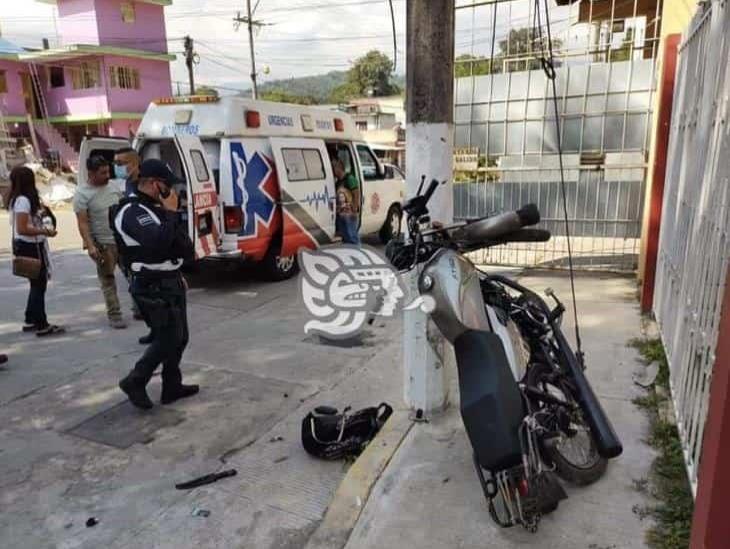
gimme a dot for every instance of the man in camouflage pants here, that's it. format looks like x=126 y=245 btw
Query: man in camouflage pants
x=91 y=204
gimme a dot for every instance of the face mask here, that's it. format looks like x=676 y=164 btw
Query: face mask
x=120 y=172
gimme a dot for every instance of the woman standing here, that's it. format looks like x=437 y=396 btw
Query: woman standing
x=29 y=240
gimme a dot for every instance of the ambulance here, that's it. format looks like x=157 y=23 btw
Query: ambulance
x=256 y=178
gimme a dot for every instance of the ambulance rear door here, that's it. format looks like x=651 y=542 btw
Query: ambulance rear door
x=307 y=192
x=202 y=198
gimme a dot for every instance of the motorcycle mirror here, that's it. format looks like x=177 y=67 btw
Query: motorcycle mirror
x=549 y=292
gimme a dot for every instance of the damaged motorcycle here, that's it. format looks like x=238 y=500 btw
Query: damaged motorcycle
x=528 y=409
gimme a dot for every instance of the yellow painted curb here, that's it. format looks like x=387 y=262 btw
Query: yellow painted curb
x=353 y=492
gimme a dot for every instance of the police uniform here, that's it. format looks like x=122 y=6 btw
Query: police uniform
x=154 y=243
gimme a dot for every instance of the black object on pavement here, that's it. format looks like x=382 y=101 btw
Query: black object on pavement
x=91 y=522
x=329 y=434
x=207 y=479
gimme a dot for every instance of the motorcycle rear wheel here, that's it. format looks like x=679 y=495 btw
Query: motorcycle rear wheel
x=576 y=457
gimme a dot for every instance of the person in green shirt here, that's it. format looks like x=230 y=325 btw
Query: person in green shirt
x=347 y=189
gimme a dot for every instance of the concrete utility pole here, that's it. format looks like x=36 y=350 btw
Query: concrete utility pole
x=251 y=24
x=429 y=151
x=190 y=61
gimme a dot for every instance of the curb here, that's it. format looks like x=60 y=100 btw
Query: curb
x=353 y=492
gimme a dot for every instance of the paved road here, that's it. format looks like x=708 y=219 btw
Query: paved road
x=72 y=448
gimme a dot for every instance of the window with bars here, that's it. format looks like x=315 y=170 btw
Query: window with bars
x=125 y=78
x=56 y=77
x=86 y=75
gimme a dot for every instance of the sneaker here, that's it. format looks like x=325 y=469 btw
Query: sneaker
x=146 y=340
x=117 y=323
x=182 y=391
x=3 y=359
x=137 y=395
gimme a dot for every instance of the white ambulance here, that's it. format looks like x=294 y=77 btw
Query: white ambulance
x=258 y=182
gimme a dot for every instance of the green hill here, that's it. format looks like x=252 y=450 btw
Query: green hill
x=314 y=89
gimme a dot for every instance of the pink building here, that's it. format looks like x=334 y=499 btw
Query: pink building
x=112 y=62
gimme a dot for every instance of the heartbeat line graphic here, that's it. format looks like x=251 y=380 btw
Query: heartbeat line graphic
x=315 y=198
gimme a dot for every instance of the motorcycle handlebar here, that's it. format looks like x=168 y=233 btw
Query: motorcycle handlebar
x=493 y=228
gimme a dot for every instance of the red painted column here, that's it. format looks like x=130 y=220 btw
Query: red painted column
x=710 y=524
x=671 y=45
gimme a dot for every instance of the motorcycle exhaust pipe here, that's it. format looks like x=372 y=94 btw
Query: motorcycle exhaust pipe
x=607 y=441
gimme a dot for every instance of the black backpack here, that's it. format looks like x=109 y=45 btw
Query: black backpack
x=331 y=435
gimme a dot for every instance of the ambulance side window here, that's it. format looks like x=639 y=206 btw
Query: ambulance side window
x=213 y=152
x=313 y=161
x=368 y=163
x=303 y=164
x=201 y=171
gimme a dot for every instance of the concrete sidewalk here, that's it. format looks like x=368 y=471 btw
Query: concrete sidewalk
x=71 y=447
x=62 y=440
x=429 y=495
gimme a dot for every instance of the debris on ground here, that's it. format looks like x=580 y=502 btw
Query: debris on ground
x=201 y=512
x=276 y=439
x=647 y=377
x=92 y=521
x=206 y=479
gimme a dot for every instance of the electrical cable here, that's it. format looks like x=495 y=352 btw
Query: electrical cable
x=494 y=39
x=395 y=38
x=548 y=64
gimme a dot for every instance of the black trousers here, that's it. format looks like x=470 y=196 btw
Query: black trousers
x=35 y=309
x=163 y=305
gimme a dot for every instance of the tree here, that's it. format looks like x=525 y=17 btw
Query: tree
x=282 y=96
x=522 y=49
x=206 y=90
x=368 y=76
x=344 y=93
x=470 y=65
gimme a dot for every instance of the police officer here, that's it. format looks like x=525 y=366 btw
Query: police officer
x=154 y=242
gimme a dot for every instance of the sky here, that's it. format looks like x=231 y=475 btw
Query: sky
x=299 y=37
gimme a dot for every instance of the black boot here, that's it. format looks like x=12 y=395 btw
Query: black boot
x=146 y=340
x=181 y=391
x=137 y=395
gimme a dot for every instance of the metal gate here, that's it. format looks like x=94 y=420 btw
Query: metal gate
x=605 y=82
x=694 y=243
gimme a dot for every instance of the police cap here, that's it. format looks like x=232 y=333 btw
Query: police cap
x=157 y=169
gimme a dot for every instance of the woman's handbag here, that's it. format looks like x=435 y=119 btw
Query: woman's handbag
x=24 y=266
x=27 y=267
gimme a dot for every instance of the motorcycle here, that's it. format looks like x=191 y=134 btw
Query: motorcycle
x=528 y=409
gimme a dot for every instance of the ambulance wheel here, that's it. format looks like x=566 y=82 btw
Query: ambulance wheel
x=276 y=267
x=391 y=227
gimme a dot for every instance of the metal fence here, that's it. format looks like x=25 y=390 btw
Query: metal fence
x=605 y=109
x=694 y=246
x=604 y=208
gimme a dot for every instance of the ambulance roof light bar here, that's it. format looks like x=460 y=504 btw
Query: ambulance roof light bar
x=186 y=100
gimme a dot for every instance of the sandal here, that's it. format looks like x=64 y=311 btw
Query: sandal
x=50 y=330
